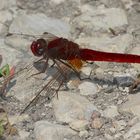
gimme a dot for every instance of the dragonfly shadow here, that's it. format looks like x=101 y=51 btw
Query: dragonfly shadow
x=121 y=81
x=10 y=85
x=39 y=65
x=6 y=88
x=49 y=71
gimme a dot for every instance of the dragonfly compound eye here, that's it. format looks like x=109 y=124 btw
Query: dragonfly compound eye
x=38 y=47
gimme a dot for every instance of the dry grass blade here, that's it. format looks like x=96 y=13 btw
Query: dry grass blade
x=5 y=123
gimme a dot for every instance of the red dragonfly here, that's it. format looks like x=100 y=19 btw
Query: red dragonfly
x=63 y=49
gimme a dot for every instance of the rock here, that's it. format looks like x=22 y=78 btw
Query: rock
x=110 y=111
x=70 y=107
x=79 y=125
x=37 y=24
x=108 y=137
x=19 y=43
x=123 y=79
x=134 y=26
x=95 y=114
x=88 y=88
x=113 y=3
x=5 y=4
x=17 y=119
x=133 y=132
x=112 y=130
x=56 y=1
x=100 y=73
x=86 y=71
x=132 y=105
x=74 y=83
x=46 y=130
x=7 y=53
x=133 y=121
x=119 y=102
x=101 y=18
x=136 y=51
x=118 y=136
x=3 y=30
x=97 y=123
x=127 y=3
x=83 y=133
x=119 y=125
x=23 y=135
x=107 y=44
x=137 y=7
x=4 y=17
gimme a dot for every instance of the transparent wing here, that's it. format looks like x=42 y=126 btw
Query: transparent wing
x=48 y=36
x=56 y=81
x=45 y=35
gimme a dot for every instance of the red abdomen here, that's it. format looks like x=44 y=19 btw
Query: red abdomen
x=92 y=55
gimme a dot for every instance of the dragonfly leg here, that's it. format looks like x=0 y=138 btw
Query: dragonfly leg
x=89 y=62
x=52 y=64
x=56 y=93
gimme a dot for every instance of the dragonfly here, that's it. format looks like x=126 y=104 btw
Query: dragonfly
x=70 y=54
x=7 y=74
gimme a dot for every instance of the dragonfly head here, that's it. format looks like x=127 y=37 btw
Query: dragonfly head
x=38 y=47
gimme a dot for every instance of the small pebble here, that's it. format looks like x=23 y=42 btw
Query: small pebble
x=95 y=114
x=83 y=133
x=119 y=102
x=97 y=123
